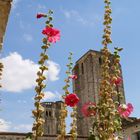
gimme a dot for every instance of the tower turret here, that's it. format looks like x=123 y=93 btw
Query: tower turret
x=51 y=116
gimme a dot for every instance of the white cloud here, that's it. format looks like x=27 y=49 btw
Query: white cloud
x=20 y=74
x=25 y=26
x=41 y=7
x=4 y=125
x=8 y=126
x=52 y=96
x=21 y=24
x=118 y=12
x=22 y=101
x=67 y=14
x=23 y=128
x=54 y=70
x=14 y=3
x=49 y=95
x=28 y=37
x=73 y=15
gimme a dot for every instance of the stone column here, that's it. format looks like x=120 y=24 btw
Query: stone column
x=5 y=6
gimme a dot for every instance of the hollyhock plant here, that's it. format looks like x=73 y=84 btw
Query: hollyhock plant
x=52 y=34
x=108 y=121
x=74 y=77
x=88 y=109
x=71 y=100
x=125 y=110
x=40 y=15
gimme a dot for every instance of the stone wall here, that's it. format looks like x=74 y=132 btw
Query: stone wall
x=22 y=136
x=5 y=6
x=132 y=130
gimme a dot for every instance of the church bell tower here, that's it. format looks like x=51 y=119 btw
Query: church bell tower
x=88 y=70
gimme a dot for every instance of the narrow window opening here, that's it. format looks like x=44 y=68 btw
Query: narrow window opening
x=82 y=68
x=50 y=113
x=100 y=61
x=47 y=113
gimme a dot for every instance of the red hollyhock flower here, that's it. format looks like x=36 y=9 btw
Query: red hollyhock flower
x=118 y=81
x=71 y=100
x=52 y=34
x=74 y=77
x=40 y=15
x=125 y=110
x=88 y=109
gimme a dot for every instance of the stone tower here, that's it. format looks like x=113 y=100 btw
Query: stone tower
x=51 y=116
x=88 y=70
x=5 y=6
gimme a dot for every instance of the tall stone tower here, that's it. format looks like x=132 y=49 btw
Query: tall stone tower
x=5 y=6
x=88 y=70
x=51 y=116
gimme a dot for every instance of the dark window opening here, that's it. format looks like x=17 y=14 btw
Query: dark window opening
x=100 y=61
x=50 y=113
x=82 y=68
x=47 y=113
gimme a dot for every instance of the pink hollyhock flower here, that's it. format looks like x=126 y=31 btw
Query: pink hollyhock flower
x=125 y=110
x=128 y=138
x=88 y=109
x=74 y=77
x=40 y=15
x=71 y=100
x=52 y=34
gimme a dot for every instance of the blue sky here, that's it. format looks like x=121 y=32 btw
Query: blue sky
x=81 y=28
